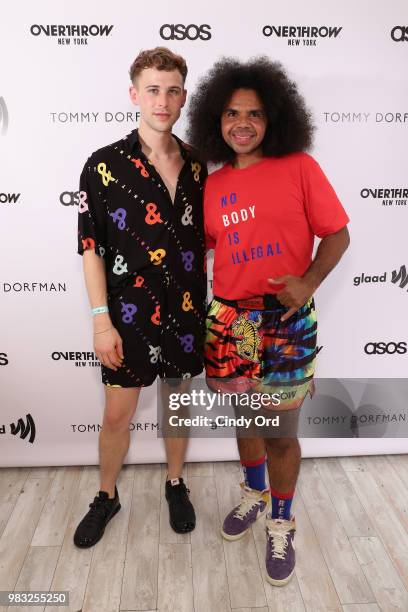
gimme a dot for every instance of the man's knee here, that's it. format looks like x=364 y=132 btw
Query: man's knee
x=118 y=413
x=116 y=420
x=282 y=445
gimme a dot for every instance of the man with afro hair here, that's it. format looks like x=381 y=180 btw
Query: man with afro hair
x=262 y=211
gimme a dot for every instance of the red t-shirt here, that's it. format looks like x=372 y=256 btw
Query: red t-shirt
x=261 y=221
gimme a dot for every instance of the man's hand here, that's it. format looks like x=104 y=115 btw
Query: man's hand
x=108 y=348
x=295 y=294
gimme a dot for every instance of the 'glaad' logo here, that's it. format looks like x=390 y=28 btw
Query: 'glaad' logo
x=23 y=429
x=399 y=33
x=384 y=348
x=398 y=277
x=179 y=31
x=3 y=117
x=305 y=35
x=78 y=34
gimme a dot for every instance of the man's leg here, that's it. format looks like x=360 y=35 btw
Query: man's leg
x=175 y=452
x=283 y=457
x=113 y=446
x=181 y=511
x=254 y=495
x=114 y=437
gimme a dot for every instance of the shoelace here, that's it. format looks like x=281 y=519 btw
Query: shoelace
x=279 y=543
x=97 y=511
x=182 y=492
x=246 y=505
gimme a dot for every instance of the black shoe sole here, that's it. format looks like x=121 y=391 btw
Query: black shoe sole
x=96 y=541
x=177 y=530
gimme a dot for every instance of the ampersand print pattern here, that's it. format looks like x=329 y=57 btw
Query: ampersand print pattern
x=154 y=255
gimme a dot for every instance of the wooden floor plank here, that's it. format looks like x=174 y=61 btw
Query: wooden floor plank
x=106 y=572
x=11 y=483
x=347 y=575
x=42 y=472
x=354 y=518
x=200 y=469
x=370 y=607
x=384 y=519
x=139 y=588
x=37 y=572
x=388 y=588
x=54 y=518
x=209 y=572
x=17 y=535
x=175 y=581
x=391 y=484
x=311 y=569
x=400 y=464
x=359 y=500
x=352 y=464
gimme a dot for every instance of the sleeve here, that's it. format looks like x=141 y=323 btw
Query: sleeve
x=91 y=213
x=324 y=210
x=209 y=239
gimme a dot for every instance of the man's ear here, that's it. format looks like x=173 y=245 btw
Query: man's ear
x=134 y=96
x=184 y=97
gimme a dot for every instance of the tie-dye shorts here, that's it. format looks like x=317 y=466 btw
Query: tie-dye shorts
x=249 y=349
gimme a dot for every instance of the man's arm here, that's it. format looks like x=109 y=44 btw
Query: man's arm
x=298 y=289
x=107 y=342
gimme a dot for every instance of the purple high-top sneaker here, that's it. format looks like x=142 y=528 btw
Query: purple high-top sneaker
x=252 y=506
x=280 y=550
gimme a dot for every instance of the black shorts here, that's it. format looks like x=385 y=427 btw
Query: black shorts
x=154 y=344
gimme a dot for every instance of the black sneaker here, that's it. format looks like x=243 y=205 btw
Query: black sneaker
x=92 y=527
x=182 y=515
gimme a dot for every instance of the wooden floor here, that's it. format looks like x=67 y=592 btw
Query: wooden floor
x=351 y=542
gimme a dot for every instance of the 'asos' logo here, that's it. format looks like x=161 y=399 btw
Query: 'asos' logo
x=69 y=198
x=3 y=359
x=400 y=277
x=24 y=429
x=382 y=348
x=179 y=31
x=3 y=117
x=399 y=33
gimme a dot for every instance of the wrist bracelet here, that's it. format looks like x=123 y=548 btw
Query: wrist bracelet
x=102 y=332
x=99 y=310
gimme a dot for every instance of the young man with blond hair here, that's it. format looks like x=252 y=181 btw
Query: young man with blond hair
x=140 y=232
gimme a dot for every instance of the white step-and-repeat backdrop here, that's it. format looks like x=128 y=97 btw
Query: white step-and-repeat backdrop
x=64 y=93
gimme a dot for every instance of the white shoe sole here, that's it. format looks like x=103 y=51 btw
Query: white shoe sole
x=232 y=538
x=279 y=582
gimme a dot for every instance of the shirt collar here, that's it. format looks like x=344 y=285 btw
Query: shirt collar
x=135 y=146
